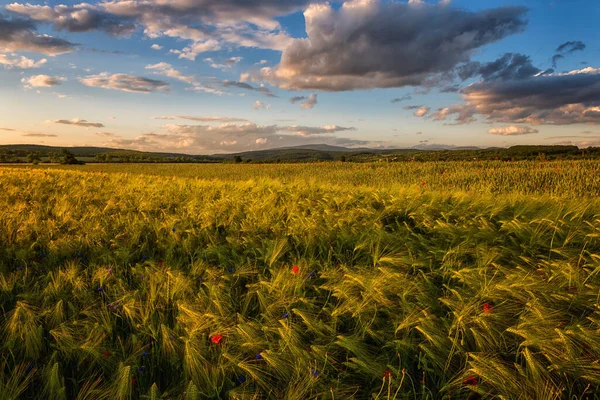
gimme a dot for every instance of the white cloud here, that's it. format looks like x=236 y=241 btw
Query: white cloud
x=20 y=62
x=259 y=105
x=42 y=81
x=310 y=102
x=156 y=47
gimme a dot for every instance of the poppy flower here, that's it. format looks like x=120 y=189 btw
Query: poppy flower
x=295 y=270
x=387 y=374
x=106 y=353
x=133 y=381
x=216 y=339
x=487 y=308
x=471 y=380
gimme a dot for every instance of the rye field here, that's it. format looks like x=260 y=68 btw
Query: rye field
x=449 y=280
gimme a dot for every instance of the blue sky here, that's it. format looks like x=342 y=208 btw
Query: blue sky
x=218 y=76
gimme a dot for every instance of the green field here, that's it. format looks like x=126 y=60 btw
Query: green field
x=306 y=281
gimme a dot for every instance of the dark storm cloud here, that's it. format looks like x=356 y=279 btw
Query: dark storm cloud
x=359 y=45
x=21 y=35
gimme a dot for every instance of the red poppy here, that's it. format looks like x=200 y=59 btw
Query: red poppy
x=487 y=308
x=295 y=270
x=216 y=339
x=133 y=381
x=471 y=380
x=106 y=353
x=387 y=374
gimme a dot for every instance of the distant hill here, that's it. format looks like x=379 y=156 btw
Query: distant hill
x=305 y=153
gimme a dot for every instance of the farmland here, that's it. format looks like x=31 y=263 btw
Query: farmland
x=301 y=281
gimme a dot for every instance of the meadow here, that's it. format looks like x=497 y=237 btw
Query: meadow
x=438 y=280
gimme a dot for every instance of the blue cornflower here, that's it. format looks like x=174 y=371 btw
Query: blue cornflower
x=230 y=270
x=240 y=379
x=258 y=356
x=285 y=315
x=142 y=369
x=173 y=230
x=314 y=372
x=144 y=354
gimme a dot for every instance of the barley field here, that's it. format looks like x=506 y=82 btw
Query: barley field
x=449 y=280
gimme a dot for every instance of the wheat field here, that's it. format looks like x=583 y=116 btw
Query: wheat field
x=309 y=281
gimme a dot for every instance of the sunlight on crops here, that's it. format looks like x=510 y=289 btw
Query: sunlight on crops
x=328 y=281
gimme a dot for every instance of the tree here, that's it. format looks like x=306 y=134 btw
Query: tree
x=237 y=159
x=343 y=158
x=34 y=157
x=69 y=158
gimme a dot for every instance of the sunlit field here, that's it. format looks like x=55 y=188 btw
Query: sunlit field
x=453 y=280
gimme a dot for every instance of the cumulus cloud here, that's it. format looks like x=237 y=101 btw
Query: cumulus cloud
x=359 y=45
x=555 y=99
x=246 y=86
x=259 y=105
x=21 y=35
x=166 y=69
x=230 y=137
x=20 y=62
x=207 y=24
x=512 y=130
x=104 y=134
x=310 y=102
x=156 y=47
x=420 y=111
x=42 y=81
x=79 y=18
x=78 y=122
x=124 y=82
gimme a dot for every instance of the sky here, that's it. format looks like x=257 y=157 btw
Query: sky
x=224 y=76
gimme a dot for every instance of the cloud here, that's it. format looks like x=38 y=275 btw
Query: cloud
x=400 y=99
x=78 y=122
x=39 y=135
x=203 y=119
x=296 y=99
x=20 y=35
x=79 y=18
x=259 y=105
x=231 y=137
x=310 y=102
x=554 y=99
x=104 y=134
x=7 y=129
x=566 y=49
x=509 y=66
x=124 y=82
x=156 y=47
x=42 y=81
x=570 y=47
x=225 y=64
x=20 y=62
x=359 y=45
x=166 y=69
x=512 y=130
x=246 y=86
x=420 y=111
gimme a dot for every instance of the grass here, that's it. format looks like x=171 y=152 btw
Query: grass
x=179 y=281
